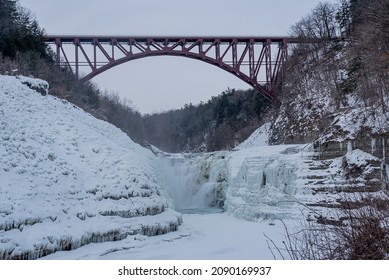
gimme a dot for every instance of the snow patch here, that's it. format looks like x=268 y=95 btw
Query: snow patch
x=359 y=158
x=258 y=138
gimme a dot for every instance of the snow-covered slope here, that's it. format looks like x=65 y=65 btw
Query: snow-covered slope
x=67 y=179
x=259 y=138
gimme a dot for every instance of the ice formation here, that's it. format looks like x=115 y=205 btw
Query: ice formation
x=252 y=183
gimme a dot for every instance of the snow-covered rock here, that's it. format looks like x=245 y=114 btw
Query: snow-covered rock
x=68 y=179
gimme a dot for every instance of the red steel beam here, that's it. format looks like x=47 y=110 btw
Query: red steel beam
x=255 y=53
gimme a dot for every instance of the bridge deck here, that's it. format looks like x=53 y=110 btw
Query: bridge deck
x=204 y=39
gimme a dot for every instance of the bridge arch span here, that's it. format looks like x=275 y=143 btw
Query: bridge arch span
x=249 y=59
x=221 y=65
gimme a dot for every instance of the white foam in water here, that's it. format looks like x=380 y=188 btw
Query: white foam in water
x=205 y=196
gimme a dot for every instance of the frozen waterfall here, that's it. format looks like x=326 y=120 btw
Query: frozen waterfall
x=252 y=184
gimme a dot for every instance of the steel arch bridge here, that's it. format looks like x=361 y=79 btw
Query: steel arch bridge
x=255 y=60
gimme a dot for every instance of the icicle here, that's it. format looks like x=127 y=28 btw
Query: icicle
x=349 y=146
x=373 y=145
x=384 y=167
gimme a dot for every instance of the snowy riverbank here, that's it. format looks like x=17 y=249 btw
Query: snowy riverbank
x=200 y=237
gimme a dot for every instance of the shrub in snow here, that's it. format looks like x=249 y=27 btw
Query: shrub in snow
x=37 y=85
x=361 y=234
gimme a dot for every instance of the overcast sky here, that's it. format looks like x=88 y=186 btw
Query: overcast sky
x=162 y=83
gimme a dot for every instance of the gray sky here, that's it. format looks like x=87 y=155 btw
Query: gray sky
x=162 y=83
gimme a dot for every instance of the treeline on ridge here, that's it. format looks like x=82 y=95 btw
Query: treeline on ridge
x=221 y=123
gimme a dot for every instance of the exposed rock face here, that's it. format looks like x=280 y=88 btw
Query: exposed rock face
x=314 y=116
x=342 y=166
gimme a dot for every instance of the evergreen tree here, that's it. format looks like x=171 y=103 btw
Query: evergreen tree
x=19 y=32
x=8 y=14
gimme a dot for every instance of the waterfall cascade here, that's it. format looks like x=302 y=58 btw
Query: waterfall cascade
x=195 y=181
